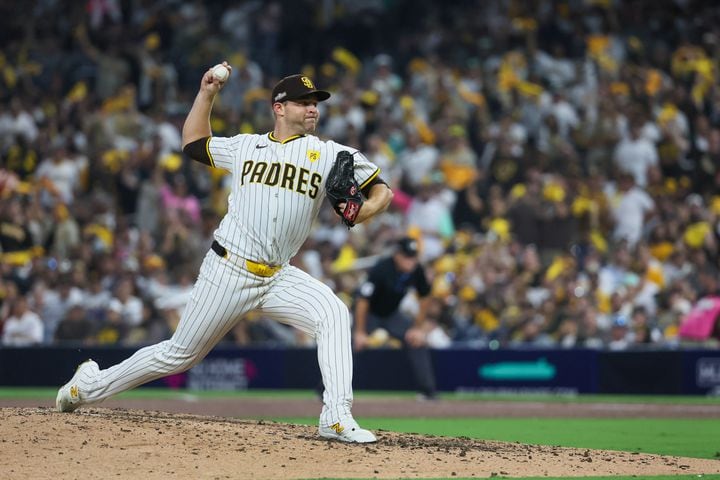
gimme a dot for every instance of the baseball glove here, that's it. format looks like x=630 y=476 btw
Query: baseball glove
x=341 y=187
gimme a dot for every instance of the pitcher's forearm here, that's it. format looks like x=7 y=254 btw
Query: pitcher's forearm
x=378 y=201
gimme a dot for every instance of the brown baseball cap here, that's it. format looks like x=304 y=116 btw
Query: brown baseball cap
x=295 y=87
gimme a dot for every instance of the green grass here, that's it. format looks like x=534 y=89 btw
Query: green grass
x=655 y=399
x=164 y=393
x=681 y=437
x=634 y=477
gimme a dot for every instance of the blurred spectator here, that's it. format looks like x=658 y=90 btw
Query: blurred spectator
x=418 y=160
x=636 y=155
x=152 y=327
x=633 y=207
x=59 y=175
x=125 y=309
x=74 y=327
x=430 y=213
x=24 y=327
x=458 y=161
x=96 y=301
x=178 y=201
x=619 y=333
x=16 y=240
x=65 y=235
x=53 y=302
x=643 y=331
x=591 y=335
x=149 y=203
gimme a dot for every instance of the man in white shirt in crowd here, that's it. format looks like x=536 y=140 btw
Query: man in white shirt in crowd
x=635 y=154
x=24 y=327
x=632 y=208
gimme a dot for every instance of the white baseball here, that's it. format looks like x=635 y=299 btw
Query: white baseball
x=220 y=72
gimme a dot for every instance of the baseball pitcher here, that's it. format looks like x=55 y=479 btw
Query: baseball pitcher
x=279 y=182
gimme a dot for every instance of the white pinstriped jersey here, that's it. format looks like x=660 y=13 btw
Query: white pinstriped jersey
x=277 y=191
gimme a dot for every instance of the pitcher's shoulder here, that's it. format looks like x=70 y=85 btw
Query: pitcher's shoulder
x=334 y=146
x=241 y=137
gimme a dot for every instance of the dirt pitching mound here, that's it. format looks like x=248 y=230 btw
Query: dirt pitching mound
x=114 y=443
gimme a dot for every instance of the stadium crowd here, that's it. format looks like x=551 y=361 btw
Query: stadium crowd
x=558 y=161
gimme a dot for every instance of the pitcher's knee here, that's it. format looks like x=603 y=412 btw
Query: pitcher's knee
x=335 y=318
x=175 y=359
x=342 y=317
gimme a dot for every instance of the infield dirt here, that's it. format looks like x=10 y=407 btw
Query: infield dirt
x=38 y=443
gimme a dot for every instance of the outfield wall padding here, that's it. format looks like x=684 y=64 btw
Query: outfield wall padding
x=695 y=372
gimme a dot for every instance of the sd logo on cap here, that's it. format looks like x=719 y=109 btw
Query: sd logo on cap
x=296 y=87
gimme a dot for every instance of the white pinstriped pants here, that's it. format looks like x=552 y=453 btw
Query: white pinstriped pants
x=222 y=294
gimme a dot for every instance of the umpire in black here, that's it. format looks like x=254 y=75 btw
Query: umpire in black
x=377 y=306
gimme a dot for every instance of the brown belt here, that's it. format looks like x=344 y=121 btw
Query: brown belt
x=259 y=269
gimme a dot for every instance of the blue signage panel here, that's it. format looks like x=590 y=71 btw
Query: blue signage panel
x=227 y=368
x=658 y=372
x=558 y=371
x=701 y=372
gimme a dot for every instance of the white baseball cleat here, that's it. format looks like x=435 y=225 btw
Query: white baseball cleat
x=347 y=430
x=69 y=397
